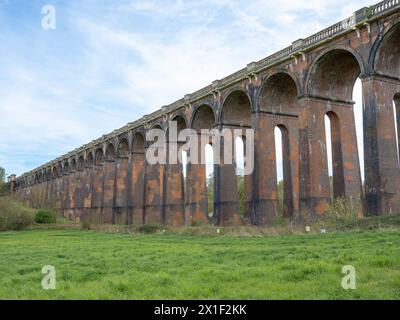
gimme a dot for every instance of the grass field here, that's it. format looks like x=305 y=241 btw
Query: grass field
x=96 y=265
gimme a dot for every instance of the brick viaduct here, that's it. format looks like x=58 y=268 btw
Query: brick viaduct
x=109 y=180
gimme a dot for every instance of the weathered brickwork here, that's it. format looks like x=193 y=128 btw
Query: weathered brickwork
x=109 y=180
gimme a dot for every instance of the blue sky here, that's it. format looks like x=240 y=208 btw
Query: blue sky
x=110 y=62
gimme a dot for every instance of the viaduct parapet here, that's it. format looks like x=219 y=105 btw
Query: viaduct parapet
x=110 y=181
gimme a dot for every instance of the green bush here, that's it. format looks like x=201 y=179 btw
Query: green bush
x=150 y=228
x=85 y=225
x=195 y=223
x=14 y=215
x=279 y=221
x=21 y=221
x=44 y=216
x=340 y=211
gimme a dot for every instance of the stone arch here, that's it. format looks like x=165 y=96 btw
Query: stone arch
x=123 y=148
x=288 y=201
x=385 y=55
x=110 y=152
x=99 y=156
x=181 y=120
x=89 y=159
x=201 y=178
x=396 y=114
x=203 y=118
x=157 y=125
x=73 y=166
x=80 y=163
x=66 y=167
x=236 y=109
x=174 y=177
x=136 y=199
x=138 y=142
x=181 y=124
x=234 y=114
x=59 y=169
x=279 y=94
x=329 y=79
x=152 y=138
x=54 y=172
x=337 y=157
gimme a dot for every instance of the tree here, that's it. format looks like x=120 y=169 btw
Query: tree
x=3 y=185
x=2 y=175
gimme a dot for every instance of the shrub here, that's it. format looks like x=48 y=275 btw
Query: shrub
x=340 y=211
x=195 y=223
x=85 y=225
x=14 y=215
x=279 y=221
x=44 y=216
x=150 y=228
x=20 y=221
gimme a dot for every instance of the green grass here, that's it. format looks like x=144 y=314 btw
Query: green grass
x=95 y=265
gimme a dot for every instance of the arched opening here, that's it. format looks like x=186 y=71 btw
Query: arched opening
x=334 y=155
x=99 y=157
x=239 y=161
x=110 y=152
x=81 y=163
x=332 y=85
x=328 y=143
x=138 y=143
x=333 y=80
x=182 y=154
x=108 y=196
x=120 y=213
x=60 y=169
x=237 y=110
x=73 y=165
x=89 y=160
x=66 y=169
x=279 y=98
x=233 y=204
x=204 y=118
x=123 y=148
x=136 y=192
x=387 y=62
x=396 y=112
x=359 y=121
x=283 y=172
x=387 y=59
x=279 y=95
x=155 y=186
x=279 y=169
x=209 y=163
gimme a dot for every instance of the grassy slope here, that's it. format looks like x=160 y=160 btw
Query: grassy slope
x=117 y=266
x=14 y=215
